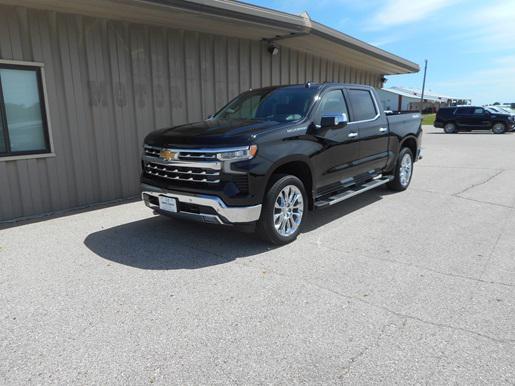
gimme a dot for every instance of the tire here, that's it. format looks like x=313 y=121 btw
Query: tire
x=281 y=223
x=498 y=128
x=401 y=181
x=450 y=128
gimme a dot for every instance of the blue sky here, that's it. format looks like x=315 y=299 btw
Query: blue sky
x=470 y=44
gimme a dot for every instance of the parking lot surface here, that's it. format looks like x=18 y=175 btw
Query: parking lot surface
x=412 y=287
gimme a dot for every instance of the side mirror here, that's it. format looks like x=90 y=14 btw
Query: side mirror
x=334 y=120
x=210 y=116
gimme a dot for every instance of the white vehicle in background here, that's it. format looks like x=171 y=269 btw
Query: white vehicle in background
x=500 y=110
x=509 y=108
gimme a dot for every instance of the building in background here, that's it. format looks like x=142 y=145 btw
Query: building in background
x=408 y=99
x=83 y=82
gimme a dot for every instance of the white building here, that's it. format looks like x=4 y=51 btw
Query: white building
x=407 y=99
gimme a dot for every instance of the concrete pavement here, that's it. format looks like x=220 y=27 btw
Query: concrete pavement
x=412 y=287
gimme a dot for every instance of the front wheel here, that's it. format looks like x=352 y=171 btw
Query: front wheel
x=450 y=128
x=498 y=128
x=283 y=210
x=403 y=171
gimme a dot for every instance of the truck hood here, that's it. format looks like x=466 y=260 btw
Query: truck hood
x=212 y=132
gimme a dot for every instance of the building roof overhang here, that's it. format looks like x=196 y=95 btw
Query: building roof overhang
x=237 y=19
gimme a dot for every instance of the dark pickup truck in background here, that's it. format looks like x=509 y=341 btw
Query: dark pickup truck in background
x=468 y=118
x=271 y=154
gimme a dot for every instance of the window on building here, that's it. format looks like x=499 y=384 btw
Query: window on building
x=23 y=121
x=363 y=105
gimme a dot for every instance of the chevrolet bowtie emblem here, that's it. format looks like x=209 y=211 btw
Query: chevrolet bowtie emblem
x=167 y=155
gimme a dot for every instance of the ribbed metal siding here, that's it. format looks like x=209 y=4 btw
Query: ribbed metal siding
x=109 y=83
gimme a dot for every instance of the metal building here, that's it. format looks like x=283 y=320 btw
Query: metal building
x=83 y=81
x=408 y=99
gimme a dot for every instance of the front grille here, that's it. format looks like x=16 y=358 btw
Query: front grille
x=182 y=173
x=182 y=155
x=152 y=151
x=193 y=156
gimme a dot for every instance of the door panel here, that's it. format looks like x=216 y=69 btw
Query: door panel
x=335 y=163
x=372 y=128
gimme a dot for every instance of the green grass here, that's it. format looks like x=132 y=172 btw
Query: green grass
x=428 y=119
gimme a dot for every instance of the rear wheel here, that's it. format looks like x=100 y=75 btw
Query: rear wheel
x=403 y=171
x=283 y=210
x=498 y=128
x=450 y=128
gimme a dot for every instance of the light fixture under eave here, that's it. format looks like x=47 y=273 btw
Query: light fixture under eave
x=273 y=49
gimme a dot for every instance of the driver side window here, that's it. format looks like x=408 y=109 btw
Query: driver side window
x=332 y=103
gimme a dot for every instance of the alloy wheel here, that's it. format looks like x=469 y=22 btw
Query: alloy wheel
x=406 y=168
x=288 y=210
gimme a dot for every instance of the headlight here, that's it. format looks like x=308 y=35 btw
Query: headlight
x=238 y=154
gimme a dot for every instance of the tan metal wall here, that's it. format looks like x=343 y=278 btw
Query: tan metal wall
x=109 y=83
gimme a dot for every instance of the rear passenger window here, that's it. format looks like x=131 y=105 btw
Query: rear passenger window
x=363 y=106
x=465 y=110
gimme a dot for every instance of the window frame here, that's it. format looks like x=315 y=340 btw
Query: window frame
x=318 y=113
x=48 y=151
x=372 y=96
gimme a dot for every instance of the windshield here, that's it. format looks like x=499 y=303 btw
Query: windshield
x=501 y=110
x=280 y=105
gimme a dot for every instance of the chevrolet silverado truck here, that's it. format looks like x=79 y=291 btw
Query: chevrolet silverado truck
x=274 y=153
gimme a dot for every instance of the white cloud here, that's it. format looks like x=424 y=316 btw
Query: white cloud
x=494 y=83
x=399 y=12
x=385 y=40
x=488 y=28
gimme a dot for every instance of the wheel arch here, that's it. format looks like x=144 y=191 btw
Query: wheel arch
x=298 y=166
x=411 y=143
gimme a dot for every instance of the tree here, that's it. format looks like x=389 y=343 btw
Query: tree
x=497 y=104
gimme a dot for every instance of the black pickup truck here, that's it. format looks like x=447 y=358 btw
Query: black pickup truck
x=273 y=153
x=468 y=118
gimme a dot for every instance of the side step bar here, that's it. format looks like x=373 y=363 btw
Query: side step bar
x=353 y=191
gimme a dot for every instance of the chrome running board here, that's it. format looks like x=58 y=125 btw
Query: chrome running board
x=353 y=191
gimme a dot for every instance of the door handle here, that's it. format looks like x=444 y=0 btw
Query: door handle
x=383 y=129
x=352 y=135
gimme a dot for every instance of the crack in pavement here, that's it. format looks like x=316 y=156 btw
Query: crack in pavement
x=496 y=243
x=486 y=202
x=425 y=268
x=490 y=178
x=462 y=198
x=346 y=369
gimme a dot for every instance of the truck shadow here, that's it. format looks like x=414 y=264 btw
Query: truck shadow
x=160 y=243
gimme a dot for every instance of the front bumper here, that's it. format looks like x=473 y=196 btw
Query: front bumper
x=200 y=207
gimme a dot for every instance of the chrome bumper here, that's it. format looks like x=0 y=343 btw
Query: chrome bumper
x=223 y=214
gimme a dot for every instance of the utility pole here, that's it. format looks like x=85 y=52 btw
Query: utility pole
x=423 y=87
